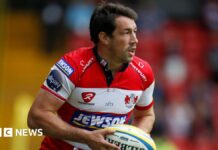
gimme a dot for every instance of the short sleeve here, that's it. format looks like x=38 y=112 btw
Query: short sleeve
x=146 y=100
x=58 y=81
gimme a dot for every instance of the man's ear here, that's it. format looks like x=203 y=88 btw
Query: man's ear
x=103 y=38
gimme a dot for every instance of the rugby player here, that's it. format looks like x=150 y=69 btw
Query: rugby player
x=91 y=88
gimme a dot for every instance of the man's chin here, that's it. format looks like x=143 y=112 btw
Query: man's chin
x=131 y=54
x=129 y=59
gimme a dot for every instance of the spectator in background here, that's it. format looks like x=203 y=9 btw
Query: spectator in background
x=52 y=15
x=211 y=20
x=151 y=17
x=210 y=13
x=77 y=16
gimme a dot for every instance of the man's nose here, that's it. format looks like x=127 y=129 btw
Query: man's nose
x=134 y=38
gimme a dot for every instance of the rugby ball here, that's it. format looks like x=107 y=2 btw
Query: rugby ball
x=129 y=137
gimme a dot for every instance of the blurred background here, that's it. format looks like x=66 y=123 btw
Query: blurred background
x=178 y=38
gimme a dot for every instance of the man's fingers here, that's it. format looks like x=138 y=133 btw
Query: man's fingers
x=112 y=147
x=104 y=144
x=106 y=132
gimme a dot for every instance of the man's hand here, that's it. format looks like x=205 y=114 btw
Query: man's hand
x=96 y=140
x=43 y=115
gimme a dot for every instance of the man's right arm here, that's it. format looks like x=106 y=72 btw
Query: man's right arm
x=43 y=114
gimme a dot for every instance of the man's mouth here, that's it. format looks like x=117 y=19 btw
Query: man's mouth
x=131 y=51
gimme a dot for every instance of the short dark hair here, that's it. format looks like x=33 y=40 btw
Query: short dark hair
x=103 y=18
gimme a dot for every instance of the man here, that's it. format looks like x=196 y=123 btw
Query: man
x=92 y=88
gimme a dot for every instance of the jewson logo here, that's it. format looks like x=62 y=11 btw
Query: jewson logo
x=96 y=121
x=11 y=132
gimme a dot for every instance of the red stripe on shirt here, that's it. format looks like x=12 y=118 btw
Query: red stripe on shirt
x=145 y=107
x=55 y=94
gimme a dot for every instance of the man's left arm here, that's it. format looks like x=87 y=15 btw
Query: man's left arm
x=144 y=119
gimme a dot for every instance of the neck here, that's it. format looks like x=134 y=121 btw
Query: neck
x=113 y=65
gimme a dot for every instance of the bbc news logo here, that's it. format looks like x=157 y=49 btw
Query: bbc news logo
x=11 y=132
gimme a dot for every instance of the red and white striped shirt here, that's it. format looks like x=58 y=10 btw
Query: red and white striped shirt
x=80 y=78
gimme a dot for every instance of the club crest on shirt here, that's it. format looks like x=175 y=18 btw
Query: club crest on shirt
x=130 y=100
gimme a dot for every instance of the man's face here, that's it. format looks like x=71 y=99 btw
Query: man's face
x=123 y=42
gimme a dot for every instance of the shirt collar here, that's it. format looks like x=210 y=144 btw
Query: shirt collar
x=104 y=63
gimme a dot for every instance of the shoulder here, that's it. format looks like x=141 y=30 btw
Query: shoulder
x=143 y=68
x=77 y=55
x=76 y=61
